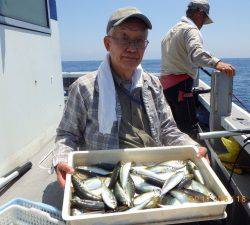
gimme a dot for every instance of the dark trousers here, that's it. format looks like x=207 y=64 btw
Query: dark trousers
x=183 y=108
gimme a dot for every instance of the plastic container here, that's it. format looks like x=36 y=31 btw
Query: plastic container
x=171 y=215
x=24 y=212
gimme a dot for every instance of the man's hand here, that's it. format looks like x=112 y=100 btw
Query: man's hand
x=203 y=153
x=226 y=68
x=61 y=170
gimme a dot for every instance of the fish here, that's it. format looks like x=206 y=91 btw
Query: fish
x=130 y=188
x=197 y=195
x=173 y=164
x=107 y=181
x=76 y=212
x=81 y=190
x=169 y=200
x=142 y=186
x=87 y=204
x=196 y=186
x=140 y=206
x=92 y=170
x=81 y=176
x=122 y=197
x=148 y=176
x=124 y=173
x=93 y=183
x=198 y=176
x=186 y=181
x=160 y=169
x=183 y=197
x=140 y=167
x=97 y=192
x=165 y=176
x=154 y=197
x=108 y=197
x=192 y=168
x=174 y=180
x=184 y=169
x=118 y=209
x=115 y=175
x=106 y=188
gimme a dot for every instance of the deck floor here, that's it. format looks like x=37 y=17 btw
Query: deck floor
x=37 y=184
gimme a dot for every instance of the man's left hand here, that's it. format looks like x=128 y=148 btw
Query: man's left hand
x=203 y=153
x=226 y=68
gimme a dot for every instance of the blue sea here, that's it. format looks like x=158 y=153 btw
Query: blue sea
x=241 y=80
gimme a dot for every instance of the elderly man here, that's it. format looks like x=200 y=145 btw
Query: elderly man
x=119 y=105
x=182 y=54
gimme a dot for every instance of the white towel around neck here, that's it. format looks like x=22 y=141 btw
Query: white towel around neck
x=107 y=94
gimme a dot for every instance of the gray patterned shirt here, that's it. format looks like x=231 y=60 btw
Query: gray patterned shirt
x=79 y=129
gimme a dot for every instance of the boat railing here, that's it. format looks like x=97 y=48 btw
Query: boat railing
x=224 y=114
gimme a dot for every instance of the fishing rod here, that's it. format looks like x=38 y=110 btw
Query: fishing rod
x=17 y=172
x=219 y=134
x=205 y=71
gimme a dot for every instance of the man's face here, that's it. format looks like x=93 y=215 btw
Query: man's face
x=126 y=45
x=202 y=17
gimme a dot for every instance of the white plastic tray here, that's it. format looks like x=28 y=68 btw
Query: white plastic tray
x=173 y=214
x=20 y=215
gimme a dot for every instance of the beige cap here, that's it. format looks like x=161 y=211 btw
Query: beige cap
x=122 y=14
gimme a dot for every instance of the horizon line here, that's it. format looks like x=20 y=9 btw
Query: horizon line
x=145 y=59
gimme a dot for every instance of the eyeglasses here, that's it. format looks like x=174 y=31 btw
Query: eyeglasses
x=126 y=43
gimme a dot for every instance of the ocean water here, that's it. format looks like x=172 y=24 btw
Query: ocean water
x=241 y=85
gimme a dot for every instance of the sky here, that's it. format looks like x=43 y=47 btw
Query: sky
x=82 y=25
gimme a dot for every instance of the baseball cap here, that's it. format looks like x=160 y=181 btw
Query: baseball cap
x=204 y=6
x=122 y=14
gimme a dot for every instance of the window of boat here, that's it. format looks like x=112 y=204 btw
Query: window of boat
x=27 y=14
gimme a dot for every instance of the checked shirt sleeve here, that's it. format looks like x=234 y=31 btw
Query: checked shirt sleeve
x=71 y=128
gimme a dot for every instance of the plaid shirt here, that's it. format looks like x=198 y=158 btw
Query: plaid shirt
x=79 y=125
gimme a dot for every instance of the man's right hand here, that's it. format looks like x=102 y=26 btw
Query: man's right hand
x=61 y=170
x=226 y=68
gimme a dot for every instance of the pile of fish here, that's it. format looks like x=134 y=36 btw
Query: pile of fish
x=105 y=187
